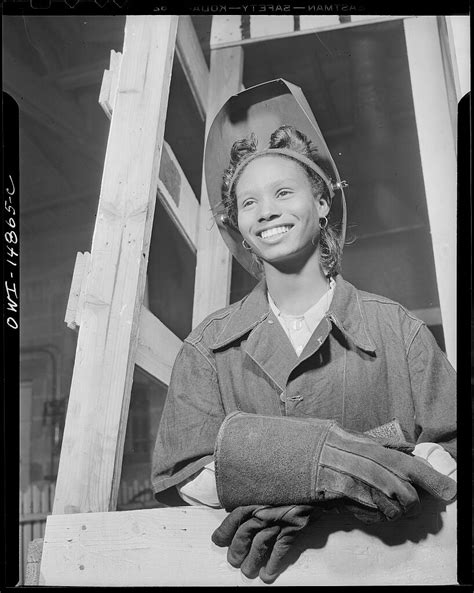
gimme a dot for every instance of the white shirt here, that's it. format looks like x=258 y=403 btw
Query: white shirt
x=299 y=328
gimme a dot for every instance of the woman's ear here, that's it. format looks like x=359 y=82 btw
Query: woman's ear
x=323 y=207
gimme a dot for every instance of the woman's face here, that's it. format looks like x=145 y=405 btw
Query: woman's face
x=278 y=214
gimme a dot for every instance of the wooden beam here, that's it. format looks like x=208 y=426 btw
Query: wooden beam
x=213 y=267
x=459 y=42
x=227 y=31
x=108 y=89
x=174 y=189
x=75 y=301
x=157 y=347
x=191 y=58
x=172 y=547
x=94 y=432
x=438 y=161
x=178 y=198
x=266 y=26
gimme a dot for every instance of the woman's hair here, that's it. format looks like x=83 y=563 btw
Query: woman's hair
x=289 y=138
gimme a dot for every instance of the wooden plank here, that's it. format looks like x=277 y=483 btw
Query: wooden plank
x=438 y=160
x=82 y=294
x=191 y=58
x=227 y=30
x=178 y=198
x=266 y=26
x=108 y=89
x=172 y=547
x=75 y=291
x=213 y=267
x=94 y=432
x=366 y=19
x=459 y=34
x=312 y=22
x=157 y=347
x=174 y=189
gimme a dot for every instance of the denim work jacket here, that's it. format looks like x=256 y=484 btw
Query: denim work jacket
x=369 y=361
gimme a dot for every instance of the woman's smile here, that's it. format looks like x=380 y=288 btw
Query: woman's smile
x=274 y=234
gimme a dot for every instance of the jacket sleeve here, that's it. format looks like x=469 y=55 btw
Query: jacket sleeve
x=190 y=421
x=433 y=382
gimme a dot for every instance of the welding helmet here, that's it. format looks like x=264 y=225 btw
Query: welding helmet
x=260 y=110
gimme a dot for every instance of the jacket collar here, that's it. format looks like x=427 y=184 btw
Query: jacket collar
x=346 y=313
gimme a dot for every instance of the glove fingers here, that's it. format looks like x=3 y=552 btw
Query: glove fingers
x=275 y=563
x=297 y=515
x=259 y=549
x=425 y=476
x=390 y=508
x=366 y=515
x=243 y=540
x=224 y=534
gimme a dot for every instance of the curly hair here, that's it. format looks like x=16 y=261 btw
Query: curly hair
x=290 y=138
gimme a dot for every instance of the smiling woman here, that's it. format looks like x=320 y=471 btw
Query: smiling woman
x=281 y=200
x=308 y=395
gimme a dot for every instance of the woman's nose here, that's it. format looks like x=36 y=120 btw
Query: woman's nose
x=268 y=210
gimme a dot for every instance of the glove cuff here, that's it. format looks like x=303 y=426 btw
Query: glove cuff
x=268 y=460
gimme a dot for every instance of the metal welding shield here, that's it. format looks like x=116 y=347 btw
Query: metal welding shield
x=262 y=109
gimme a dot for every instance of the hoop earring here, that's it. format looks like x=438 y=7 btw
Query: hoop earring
x=246 y=246
x=325 y=224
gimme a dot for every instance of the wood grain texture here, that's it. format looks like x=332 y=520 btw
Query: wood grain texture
x=92 y=448
x=172 y=546
x=191 y=58
x=157 y=347
x=213 y=268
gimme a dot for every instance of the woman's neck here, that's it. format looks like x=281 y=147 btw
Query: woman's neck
x=295 y=292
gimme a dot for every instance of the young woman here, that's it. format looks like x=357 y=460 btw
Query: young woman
x=270 y=397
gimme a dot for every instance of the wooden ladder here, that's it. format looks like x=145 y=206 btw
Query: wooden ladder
x=87 y=542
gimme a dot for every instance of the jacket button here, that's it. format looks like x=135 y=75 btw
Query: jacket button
x=270 y=321
x=283 y=396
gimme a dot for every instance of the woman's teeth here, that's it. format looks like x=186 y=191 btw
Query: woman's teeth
x=276 y=231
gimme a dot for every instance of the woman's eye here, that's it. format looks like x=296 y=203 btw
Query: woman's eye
x=247 y=202
x=283 y=192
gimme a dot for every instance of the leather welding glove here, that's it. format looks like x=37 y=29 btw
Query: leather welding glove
x=370 y=515
x=275 y=460
x=259 y=537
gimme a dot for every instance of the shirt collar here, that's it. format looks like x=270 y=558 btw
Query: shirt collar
x=312 y=317
x=345 y=312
